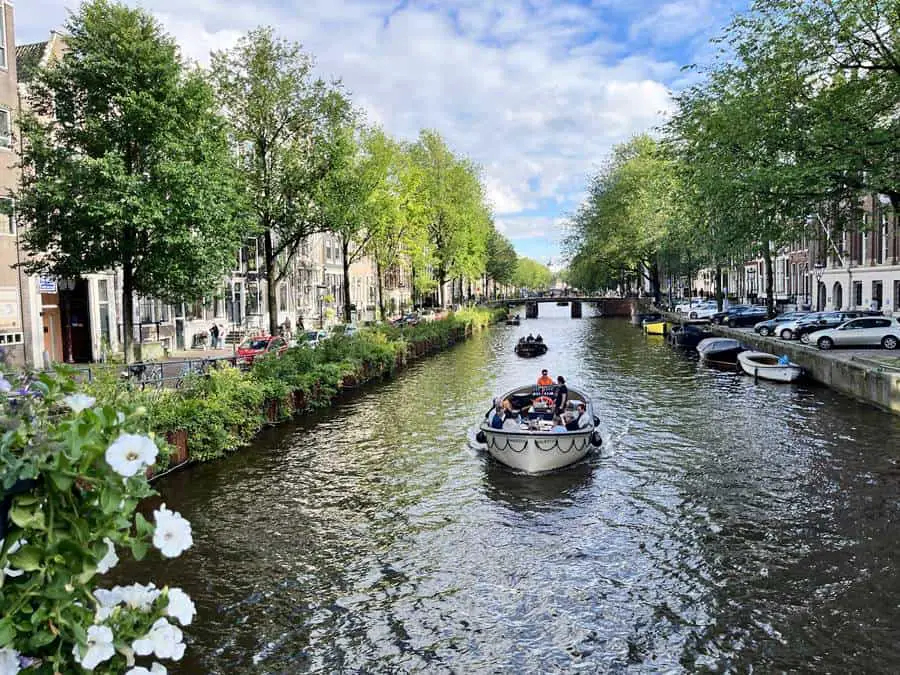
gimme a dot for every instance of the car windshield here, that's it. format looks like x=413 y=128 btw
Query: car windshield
x=312 y=335
x=255 y=343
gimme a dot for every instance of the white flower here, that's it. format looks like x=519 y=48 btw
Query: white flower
x=163 y=640
x=9 y=661
x=173 y=533
x=120 y=417
x=79 y=402
x=99 y=647
x=12 y=571
x=110 y=560
x=5 y=386
x=155 y=669
x=181 y=606
x=130 y=453
x=137 y=596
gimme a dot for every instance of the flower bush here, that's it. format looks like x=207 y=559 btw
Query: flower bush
x=73 y=472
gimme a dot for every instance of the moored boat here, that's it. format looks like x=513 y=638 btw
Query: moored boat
x=656 y=327
x=513 y=320
x=527 y=442
x=720 y=350
x=639 y=318
x=687 y=335
x=769 y=367
x=530 y=348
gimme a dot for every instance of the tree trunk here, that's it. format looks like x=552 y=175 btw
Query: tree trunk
x=271 y=281
x=412 y=290
x=345 y=262
x=654 y=281
x=719 y=299
x=127 y=311
x=770 y=282
x=442 y=279
x=379 y=277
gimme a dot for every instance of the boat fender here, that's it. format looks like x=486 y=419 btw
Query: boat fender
x=596 y=439
x=480 y=437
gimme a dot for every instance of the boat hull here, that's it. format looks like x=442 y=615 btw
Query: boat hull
x=766 y=366
x=536 y=452
x=531 y=349
x=656 y=328
x=720 y=351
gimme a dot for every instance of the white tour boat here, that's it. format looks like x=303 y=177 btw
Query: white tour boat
x=526 y=441
x=769 y=367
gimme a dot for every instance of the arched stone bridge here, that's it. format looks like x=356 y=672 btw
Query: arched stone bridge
x=607 y=306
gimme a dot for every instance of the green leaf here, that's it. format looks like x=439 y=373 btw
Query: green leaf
x=109 y=500
x=143 y=527
x=27 y=517
x=63 y=482
x=40 y=639
x=27 y=558
x=139 y=549
x=7 y=632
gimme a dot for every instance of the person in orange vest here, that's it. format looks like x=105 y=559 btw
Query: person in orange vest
x=545 y=380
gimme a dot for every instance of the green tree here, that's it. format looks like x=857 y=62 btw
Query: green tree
x=531 y=274
x=501 y=259
x=127 y=164
x=283 y=119
x=456 y=211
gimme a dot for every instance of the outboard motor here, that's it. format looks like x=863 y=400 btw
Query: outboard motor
x=596 y=439
x=480 y=437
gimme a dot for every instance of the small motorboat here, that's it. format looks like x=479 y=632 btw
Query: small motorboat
x=720 y=351
x=656 y=327
x=769 y=367
x=640 y=318
x=527 y=442
x=687 y=335
x=514 y=320
x=530 y=348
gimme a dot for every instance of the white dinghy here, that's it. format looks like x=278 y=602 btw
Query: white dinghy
x=526 y=441
x=769 y=367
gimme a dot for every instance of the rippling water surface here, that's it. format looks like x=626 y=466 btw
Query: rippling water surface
x=724 y=526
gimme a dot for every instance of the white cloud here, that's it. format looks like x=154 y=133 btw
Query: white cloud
x=536 y=91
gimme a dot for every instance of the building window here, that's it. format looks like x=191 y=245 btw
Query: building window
x=3 y=63
x=282 y=297
x=857 y=294
x=5 y=129
x=7 y=216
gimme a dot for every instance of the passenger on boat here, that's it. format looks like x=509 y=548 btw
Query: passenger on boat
x=558 y=426
x=562 y=394
x=584 y=420
x=497 y=415
x=539 y=338
x=545 y=380
x=530 y=338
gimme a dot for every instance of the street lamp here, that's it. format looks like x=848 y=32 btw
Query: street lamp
x=819 y=269
x=66 y=285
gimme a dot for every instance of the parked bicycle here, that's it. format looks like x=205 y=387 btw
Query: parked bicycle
x=144 y=374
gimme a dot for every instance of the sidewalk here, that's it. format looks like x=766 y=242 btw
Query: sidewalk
x=191 y=354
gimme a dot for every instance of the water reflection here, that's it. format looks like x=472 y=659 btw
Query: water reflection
x=550 y=492
x=727 y=526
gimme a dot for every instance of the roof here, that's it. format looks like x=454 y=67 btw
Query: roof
x=28 y=59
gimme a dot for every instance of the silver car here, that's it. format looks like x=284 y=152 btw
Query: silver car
x=869 y=331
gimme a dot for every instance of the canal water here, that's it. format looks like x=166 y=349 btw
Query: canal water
x=724 y=526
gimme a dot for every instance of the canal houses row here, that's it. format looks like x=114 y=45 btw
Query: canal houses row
x=857 y=268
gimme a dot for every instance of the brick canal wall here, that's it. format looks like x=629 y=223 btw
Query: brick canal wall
x=867 y=382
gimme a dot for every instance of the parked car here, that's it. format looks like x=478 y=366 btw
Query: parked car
x=786 y=330
x=704 y=310
x=767 y=327
x=720 y=317
x=410 y=319
x=746 y=316
x=685 y=306
x=252 y=347
x=345 y=329
x=312 y=338
x=427 y=315
x=867 y=331
x=829 y=320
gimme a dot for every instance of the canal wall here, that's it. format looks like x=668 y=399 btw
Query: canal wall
x=863 y=379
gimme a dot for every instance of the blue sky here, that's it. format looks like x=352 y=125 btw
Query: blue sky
x=535 y=91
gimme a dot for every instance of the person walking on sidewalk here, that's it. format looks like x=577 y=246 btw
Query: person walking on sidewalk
x=214 y=336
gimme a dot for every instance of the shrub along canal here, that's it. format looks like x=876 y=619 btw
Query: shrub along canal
x=724 y=525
